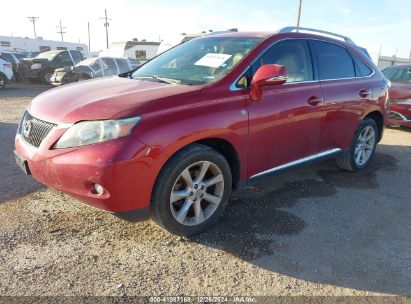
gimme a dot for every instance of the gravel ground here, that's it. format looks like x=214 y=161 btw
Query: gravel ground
x=311 y=231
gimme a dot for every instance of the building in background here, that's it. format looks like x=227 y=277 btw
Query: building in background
x=135 y=49
x=19 y=44
x=386 y=61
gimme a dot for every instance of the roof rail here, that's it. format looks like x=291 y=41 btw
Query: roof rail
x=290 y=29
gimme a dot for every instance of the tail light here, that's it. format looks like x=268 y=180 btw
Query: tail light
x=8 y=65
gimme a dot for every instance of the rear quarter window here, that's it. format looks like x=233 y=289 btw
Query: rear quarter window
x=361 y=69
x=334 y=61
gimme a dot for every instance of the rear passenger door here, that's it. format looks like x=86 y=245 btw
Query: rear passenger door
x=285 y=125
x=345 y=94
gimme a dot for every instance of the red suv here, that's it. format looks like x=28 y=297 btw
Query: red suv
x=400 y=94
x=171 y=139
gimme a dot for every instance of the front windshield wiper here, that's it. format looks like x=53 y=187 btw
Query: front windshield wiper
x=162 y=79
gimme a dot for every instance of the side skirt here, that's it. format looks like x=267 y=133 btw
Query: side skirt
x=297 y=163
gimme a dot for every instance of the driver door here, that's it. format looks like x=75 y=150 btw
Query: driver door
x=285 y=126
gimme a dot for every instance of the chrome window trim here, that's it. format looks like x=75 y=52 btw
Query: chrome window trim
x=297 y=162
x=233 y=86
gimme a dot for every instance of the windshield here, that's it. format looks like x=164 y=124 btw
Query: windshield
x=48 y=55
x=398 y=74
x=199 y=61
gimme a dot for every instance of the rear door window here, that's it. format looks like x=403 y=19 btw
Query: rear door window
x=294 y=54
x=334 y=61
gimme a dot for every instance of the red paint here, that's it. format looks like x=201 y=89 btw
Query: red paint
x=401 y=91
x=291 y=121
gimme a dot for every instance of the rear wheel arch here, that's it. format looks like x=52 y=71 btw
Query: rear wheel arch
x=379 y=120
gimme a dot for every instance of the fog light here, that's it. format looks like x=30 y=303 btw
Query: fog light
x=98 y=189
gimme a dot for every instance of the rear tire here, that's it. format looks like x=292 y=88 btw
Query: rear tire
x=362 y=148
x=191 y=191
x=3 y=81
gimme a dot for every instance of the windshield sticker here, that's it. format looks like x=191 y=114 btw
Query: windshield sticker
x=213 y=60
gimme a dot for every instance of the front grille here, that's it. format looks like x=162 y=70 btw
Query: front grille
x=34 y=130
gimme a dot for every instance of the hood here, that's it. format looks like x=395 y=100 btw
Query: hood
x=105 y=98
x=400 y=90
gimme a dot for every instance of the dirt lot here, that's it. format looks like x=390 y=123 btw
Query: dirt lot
x=312 y=231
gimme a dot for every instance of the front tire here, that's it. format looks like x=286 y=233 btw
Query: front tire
x=362 y=148
x=45 y=76
x=191 y=191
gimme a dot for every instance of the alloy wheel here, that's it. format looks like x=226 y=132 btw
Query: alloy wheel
x=47 y=77
x=365 y=145
x=197 y=192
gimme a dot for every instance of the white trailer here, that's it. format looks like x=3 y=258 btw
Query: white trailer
x=19 y=44
x=140 y=50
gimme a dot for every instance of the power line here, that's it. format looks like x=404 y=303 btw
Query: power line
x=61 y=32
x=88 y=30
x=106 y=24
x=33 y=20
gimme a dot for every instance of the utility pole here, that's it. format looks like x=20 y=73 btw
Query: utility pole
x=299 y=13
x=106 y=24
x=61 y=28
x=88 y=29
x=33 y=20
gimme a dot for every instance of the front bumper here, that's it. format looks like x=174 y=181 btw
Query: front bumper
x=124 y=167
x=60 y=78
x=400 y=114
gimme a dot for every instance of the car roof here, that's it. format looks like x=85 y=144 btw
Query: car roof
x=266 y=35
x=241 y=34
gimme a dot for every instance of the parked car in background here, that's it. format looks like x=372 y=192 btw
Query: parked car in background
x=15 y=62
x=400 y=94
x=6 y=72
x=91 y=68
x=172 y=139
x=21 y=55
x=42 y=67
x=134 y=63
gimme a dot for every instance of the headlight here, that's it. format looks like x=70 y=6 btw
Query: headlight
x=91 y=132
x=36 y=66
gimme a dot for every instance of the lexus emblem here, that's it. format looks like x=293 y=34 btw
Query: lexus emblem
x=27 y=128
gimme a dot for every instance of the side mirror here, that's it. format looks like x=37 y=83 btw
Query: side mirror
x=267 y=75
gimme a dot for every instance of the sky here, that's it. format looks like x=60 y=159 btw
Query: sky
x=372 y=24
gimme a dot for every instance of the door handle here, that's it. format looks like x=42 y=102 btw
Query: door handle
x=314 y=100
x=364 y=93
